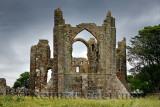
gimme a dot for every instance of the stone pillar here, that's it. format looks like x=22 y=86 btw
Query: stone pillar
x=58 y=76
x=32 y=69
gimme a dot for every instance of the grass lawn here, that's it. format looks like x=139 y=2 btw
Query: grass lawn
x=10 y=101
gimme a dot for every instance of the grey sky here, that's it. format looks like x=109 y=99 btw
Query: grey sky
x=24 y=22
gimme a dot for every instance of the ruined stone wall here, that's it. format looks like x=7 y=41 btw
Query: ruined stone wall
x=97 y=74
x=4 y=89
x=40 y=63
x=121 y=61
x=79 y=65
x=121 y=69
x=3 y=82
x=2 y=86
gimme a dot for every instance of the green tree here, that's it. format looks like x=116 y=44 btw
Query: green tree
x=144 y=56
x=17 y=84
x=22 y=81
x=137 y=83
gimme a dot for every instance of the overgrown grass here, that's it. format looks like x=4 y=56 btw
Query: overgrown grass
x=13 y=101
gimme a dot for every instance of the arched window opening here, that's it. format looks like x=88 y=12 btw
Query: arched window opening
x=77 y=69
x=85 y=35
x=79 y=50
x=49 y=75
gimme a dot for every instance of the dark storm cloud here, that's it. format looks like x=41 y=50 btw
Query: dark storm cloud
x=24 y=22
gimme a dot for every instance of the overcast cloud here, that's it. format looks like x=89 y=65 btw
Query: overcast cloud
x=24 y=22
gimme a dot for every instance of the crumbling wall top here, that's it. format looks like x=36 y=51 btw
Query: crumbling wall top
x=3 y=82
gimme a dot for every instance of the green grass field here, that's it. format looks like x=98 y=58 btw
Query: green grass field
x=9 y=101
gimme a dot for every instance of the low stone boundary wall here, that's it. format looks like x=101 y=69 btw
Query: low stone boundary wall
x=79 y=95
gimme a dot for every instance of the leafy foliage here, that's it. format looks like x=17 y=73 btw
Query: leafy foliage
x=137 y=83
x=22 y=81
x=144 y=56
x=17 y=84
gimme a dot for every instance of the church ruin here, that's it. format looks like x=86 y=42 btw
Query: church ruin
x=100 y=75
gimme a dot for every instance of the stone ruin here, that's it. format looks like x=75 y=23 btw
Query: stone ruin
x=121 y=63
x=4 y=89
x=101 y=75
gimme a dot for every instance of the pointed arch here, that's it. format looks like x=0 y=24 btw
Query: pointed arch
x=80 y=30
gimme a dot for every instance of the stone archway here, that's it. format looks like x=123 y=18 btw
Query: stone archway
x=92 y=28
x=81 y=40
x=82 y=63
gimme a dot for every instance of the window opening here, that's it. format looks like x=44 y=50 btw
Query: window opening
x=77 y=69
x=49 y=75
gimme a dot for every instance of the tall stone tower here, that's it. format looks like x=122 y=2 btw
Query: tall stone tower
x=96 y=75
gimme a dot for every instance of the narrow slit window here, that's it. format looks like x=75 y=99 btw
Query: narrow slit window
x=49 y=75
